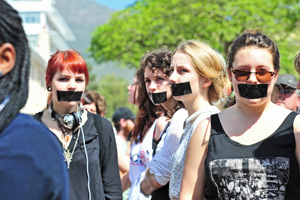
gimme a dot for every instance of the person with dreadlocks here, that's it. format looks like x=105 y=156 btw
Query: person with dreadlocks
x=31 y=163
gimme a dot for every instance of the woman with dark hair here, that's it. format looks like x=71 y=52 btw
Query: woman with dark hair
x=31 y=163
x=87 y=140
x=156 y=108
x=251 y=150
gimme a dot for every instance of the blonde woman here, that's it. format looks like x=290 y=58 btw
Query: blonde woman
x=199 y=81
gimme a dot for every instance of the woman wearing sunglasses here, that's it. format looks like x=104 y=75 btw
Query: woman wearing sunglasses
x=252 y=149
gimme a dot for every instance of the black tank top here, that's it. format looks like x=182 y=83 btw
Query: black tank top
x=265 y=170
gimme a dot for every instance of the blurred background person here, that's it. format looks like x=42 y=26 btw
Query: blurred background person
x=123 y=119
x=286 y=92
x=31 y=161
x=94 y=102
x=297 y=66
x=133 y=92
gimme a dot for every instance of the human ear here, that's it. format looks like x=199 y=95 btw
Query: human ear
x=123 y=122
x=206 y=83
x=7 y=58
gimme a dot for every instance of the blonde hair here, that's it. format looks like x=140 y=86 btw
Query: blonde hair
x=208 y=64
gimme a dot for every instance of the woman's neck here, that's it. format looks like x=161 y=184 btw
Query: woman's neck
x=62 y=110
x=169 y=104
x=197 y=104
x=252 y=111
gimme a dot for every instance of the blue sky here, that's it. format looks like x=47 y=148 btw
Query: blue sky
x=116 y=4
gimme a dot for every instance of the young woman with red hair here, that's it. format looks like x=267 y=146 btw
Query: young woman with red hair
x=89 y=149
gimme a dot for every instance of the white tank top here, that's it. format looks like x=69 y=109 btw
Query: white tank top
x=141 y=155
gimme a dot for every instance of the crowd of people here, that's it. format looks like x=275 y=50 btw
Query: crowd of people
x=188 y=140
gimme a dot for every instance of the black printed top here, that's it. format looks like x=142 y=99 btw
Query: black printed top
x=265 y=170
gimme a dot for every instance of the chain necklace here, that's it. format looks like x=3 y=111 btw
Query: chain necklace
x=67 y=154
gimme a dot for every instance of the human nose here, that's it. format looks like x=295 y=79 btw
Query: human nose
x=173 y=77
x=71 y=85
x=252 y=78
x=152 y=86
x=128 y=87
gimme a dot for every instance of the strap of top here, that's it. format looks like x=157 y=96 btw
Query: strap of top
x=156 y=143
x=217 y=126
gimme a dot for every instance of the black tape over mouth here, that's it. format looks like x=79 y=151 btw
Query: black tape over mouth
x=253 y=91
x=158 y=98
x=180 y=89
x=69 y=95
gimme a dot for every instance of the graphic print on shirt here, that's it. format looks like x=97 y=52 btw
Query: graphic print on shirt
x=140 y=158
x=250 y=178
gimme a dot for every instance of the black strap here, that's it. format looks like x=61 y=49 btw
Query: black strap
x=98 y=124
x=154 y=143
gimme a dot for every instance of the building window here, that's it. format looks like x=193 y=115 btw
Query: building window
x=31 y=17
x=33 y=40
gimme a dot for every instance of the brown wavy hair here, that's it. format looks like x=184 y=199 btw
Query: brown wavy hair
x=148 y=112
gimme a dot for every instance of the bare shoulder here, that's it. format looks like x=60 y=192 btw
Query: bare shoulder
x=160 y=125
x=297 y=125
x=202 y=131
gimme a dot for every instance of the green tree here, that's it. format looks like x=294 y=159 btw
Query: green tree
x=152 y=24
x=92 y=79
x=115 y=92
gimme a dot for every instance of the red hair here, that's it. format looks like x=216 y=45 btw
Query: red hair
x=70 y=60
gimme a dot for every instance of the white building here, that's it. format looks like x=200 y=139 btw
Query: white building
x=47 y=32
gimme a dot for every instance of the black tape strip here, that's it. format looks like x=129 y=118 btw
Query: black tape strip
x=68 y=95
x=181 y=89
x=158 y=98
x=253 y=91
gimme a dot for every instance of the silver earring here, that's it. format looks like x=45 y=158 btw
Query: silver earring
x=49 y=88
x=1 y=74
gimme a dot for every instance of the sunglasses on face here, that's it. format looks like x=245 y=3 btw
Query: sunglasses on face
x=286 y=90
x=262 y=76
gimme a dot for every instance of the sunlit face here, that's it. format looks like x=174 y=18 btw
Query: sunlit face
x=183 y=71
x=91 y=107
x=288 y=98
x=129 y=125
x=133 y=92
x=252 y=59
x=67 y=81
x=156 y=81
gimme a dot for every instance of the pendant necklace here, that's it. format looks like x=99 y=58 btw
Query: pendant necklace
x=65 y=137
x=67 y=154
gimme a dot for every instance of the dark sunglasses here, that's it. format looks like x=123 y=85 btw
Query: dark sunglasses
x=286 y=90
x=262 y=76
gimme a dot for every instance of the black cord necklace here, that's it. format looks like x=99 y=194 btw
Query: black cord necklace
x=66 y=129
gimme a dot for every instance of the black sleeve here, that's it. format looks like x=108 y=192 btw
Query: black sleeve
x=110 y=171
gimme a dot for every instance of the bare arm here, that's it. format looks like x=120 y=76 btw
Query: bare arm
x=193 y=180
x=149 y=184
x=125 y=182
x=297 y=137
x=123 y=160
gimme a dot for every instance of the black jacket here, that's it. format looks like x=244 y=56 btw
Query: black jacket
x=104 y=183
